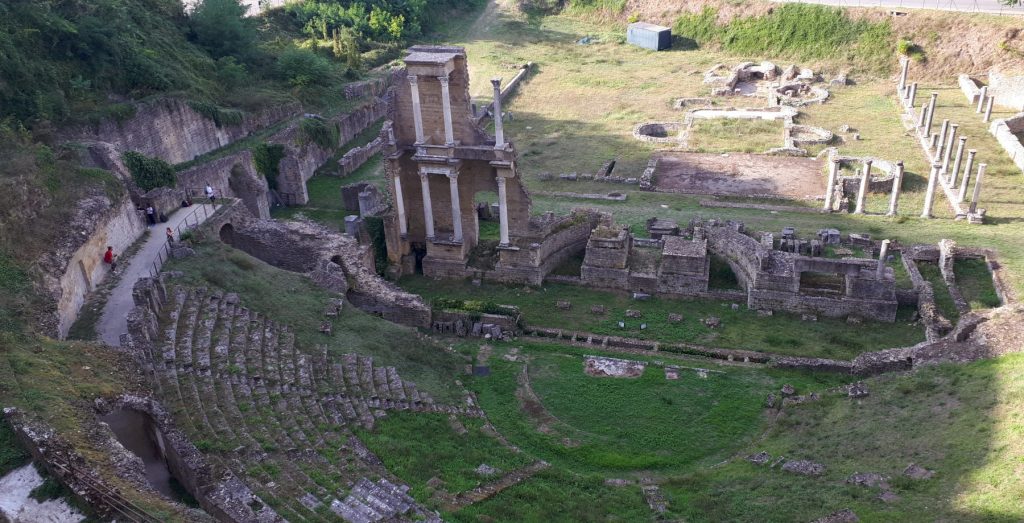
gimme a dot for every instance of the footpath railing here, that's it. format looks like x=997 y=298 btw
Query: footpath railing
x=100 y=492
x=192 y=220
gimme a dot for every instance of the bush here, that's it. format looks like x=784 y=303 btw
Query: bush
x=148 y=173
x=219 y=115
x=302 y=67
x=222 y=28
x=318 y=131
x=911 y=50
x=267 y=157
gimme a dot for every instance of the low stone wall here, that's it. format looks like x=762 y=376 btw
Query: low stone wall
x=969 y=86
x=170 y=129
x=1007 y=90
x=1003 y=130
x=357 y=156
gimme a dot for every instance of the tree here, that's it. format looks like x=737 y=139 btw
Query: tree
x=222 y=28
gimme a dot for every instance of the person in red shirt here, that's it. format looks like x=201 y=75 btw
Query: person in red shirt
x=110 y=258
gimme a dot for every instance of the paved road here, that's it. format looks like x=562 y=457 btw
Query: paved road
x=114 y=320
x=969 y=6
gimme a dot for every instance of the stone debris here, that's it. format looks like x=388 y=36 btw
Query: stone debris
x=641 y=296
x=761 y=458
x=631 y=313
x=617 y=482
x=310 y=501
x=598 y=309
x=370 y=502
x=674 y=318
x=800 y=400
x=712 y=322
x=326 y=328
x=771 y=401
x=916 y=471
x=765 y=312
x=888 y=496
x=671 y=373
x=868 y=479
x=487 y=470
x=857 y=390
x=788 y=390
x=808 y=317
x=843 y=516
x=563 y=304
x=599 y=366
x=655 y=499
x=804 y=467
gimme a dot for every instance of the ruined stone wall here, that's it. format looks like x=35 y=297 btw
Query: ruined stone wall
x=1003 y=130
x=969 y=87
x=1007 y=90
x=233 y=176
x=171 y=130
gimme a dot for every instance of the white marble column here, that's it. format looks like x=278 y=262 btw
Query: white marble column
x=929 y=195
x=942 y=138
x=833 y=172
x=957 y=162
x=912 y=94
x=882 y=253
x=403 y=227
x=502 y=212
x=897 y=185
x=903 y=75
x=948 y=150
x=499 y=131
x=453 y=184
x=446 y=106
x=931 y=114
x=865 y=179
x=921 y=118
x=988 y=109
x=417 y=109
x=981 y=99
x=977 y=189
x=967 y=176
x=428 y=209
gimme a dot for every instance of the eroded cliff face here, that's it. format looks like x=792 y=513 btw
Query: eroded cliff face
x=170 y=129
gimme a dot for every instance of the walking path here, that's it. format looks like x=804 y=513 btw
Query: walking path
x=114 y=319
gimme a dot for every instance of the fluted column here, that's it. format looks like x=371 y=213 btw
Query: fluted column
x=453 y=184
x=446 y=106
x=833 y=171
x=865 y=179
x=967 y=176
x=417 y=109
x=428 y=209
x=957 y=161
x=403 y=227
x=948 y=150
x=977 y=189
x=897 y=185
x=502 y=212
x=499 y=131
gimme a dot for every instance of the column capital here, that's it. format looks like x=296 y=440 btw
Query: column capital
x=443 y=79
x=496 y=82
x=423 y=175
x=453 y=175
x=500 y=179
x=413 y=79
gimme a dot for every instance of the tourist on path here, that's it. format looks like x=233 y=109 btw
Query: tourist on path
x=170 y=235
x=110 y=258
x=151 y=215
x=210 y=194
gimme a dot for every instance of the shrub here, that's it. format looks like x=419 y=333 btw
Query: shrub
x=222 y=28
x=267 y=157
x=219 y=115
x=148 y=173
x=318 y=131
x=302 y=67
x=911 y=50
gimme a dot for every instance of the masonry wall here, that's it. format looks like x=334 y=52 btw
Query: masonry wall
x=1007 y=90
x=118 y=226
x=233 y=176
x=171 y=130
x=1003 y=130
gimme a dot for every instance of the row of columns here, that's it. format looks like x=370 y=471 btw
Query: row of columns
x=446 y=107
x=453 y=187
x=865 y=180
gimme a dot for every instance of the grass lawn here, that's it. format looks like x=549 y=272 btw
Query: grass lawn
x=975 y=283
x=964 y=422
x=578 y=422
x=419 y=447
x=292 y=299
x=727 y=135
x=943 y=300
x=782 y=333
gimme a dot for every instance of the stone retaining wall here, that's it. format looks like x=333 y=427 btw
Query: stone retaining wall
x=170 y=129
x=969 y=86
x=233 y=176
x=1003 y=130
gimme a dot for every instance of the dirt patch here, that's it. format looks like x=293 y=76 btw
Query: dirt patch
x=737 y=174
x=531 y=405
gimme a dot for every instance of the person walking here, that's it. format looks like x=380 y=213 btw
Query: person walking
x=211 y=194
x=170 y=235
x=151 y=215
x=110 y=258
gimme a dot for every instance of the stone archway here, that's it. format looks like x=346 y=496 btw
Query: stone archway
x=227 y=234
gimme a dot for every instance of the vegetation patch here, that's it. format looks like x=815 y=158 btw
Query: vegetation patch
x=148 y=173
x=267 y=158
x=975 y=283
x=12 y=455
